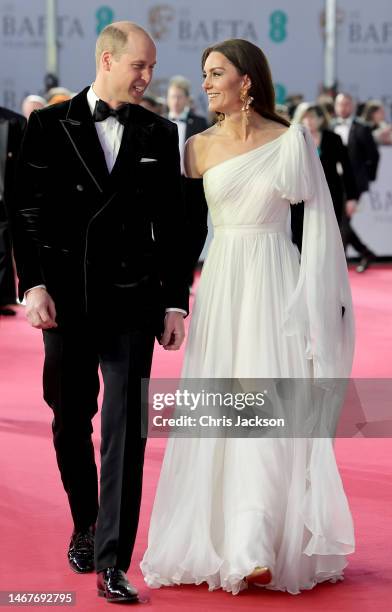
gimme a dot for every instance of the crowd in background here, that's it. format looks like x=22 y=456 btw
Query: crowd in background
x=346 y=134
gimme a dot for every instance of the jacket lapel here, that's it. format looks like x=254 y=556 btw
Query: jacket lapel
x=134 y=144
x=80 y=130
x=352 y=134
x=189 y=127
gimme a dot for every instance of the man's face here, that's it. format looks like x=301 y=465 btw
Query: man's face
x=29 y=106
x=131 y=72
x=177 y=100
x=344 y=106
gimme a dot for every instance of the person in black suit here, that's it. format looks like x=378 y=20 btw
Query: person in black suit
x=11 y=131
x=363 y=154
x=100 y=252
x=179 y=111
x=189 y=124
x=335 y=162
x=373 y=115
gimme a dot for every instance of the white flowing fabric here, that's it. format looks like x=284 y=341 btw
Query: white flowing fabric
x=225 y=506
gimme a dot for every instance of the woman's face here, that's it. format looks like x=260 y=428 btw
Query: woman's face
x=312 y=121
x=222 y=84
x=378 y=116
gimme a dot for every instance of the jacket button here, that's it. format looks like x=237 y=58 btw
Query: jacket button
x=123 y=264
x=79 y=187
x=10 y=154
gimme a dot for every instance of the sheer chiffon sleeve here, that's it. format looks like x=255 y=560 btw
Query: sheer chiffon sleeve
x=323 y=292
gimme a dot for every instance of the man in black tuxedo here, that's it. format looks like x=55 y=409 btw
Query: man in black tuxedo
x=100 y=258
x=11 y=132
x=364 y=156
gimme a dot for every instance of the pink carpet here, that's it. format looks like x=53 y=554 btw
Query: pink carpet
x=35 y=523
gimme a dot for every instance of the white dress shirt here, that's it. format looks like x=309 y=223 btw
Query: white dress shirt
x=110 y=132
x=343 y=127
x=180 y=122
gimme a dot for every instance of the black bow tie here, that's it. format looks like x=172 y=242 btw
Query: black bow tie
x=102 y=111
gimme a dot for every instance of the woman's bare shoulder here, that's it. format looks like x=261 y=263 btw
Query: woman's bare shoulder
x=200 y=141
x=195 y=152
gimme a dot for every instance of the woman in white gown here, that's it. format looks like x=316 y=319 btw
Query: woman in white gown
x=228 y=510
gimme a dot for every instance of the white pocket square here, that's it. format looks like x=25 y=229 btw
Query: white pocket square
x=147 y=159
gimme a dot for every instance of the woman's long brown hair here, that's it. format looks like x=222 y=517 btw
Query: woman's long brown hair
x=249 y=59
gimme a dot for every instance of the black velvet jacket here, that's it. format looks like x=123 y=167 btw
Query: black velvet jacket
x=16 y=125
x=107 y=245
x=194 y=125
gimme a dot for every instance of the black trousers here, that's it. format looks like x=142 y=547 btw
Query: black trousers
x=350 y=237
x=7 y=275
x=71 y=386
x=346 y=230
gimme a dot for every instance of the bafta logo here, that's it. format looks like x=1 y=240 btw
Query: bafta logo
x=159 y=18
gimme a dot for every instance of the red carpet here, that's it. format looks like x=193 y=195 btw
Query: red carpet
x=34 y=519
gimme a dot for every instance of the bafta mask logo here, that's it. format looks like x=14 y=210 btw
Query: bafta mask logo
x=160 y=18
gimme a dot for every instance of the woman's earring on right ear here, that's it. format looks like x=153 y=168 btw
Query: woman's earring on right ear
x=220 y=118
x=246 y=102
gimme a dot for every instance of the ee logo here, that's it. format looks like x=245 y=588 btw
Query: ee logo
x=105 y=16
x=280 y=93
x=278 y=24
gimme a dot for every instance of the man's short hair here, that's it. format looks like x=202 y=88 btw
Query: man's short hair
x=114 y=38
x=34 y=98
x=345 y=94
x=181 y=83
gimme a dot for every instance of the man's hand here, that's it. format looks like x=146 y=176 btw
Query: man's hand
x=351 y=207
x=174 y=332
x=40 y=309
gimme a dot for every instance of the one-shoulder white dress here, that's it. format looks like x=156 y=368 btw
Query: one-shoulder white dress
x=226 y=505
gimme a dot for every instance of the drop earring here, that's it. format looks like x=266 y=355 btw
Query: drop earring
x=220 y=118
x=246 y=103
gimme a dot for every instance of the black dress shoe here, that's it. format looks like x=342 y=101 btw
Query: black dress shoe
x=81 y=551
x=7 y=312
x=113 y=584
x=365 y=262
